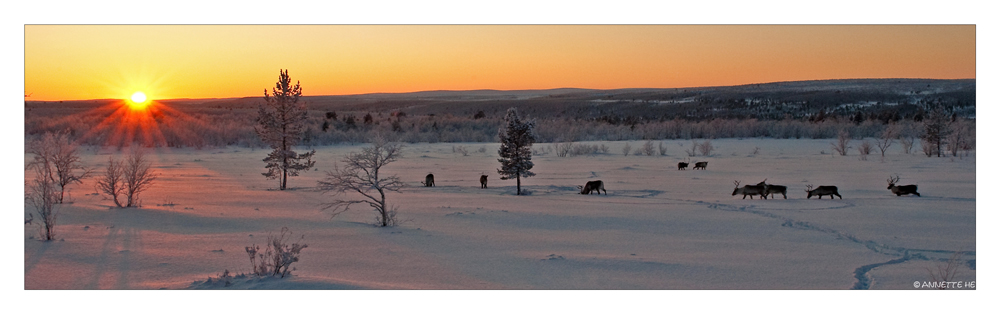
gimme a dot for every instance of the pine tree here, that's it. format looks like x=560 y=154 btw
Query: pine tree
x=516 y=138
x=280 y=124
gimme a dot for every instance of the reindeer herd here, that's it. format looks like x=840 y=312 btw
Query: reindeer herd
x=762 y=189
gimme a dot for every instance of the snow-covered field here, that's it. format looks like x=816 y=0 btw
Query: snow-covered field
x=657 y=228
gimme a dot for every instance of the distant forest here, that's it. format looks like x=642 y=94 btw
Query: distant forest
x=804 y=109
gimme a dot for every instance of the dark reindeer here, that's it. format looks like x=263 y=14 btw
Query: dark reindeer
x=901 y=189
x=429 y=180
x=482 y=181
x=749 y=190
x=682 y=166
x=822 y=190
x=592 y=186
x=700 y=164
x=771 y=189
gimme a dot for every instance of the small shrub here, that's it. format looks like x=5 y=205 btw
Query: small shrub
x=947 y=271
x=843 y=139
x=864 y=149
x=627 y=149
x=482 y=149
x=277 y=256
x=461 y=150
x=638 y=151
x=755 y=151
x=706 y=148
x=604 y=149
x=649 y=149
x=562 y=150
x=663 y=149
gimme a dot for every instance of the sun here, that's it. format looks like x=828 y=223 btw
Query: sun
x=139 y=97
x=138 y=100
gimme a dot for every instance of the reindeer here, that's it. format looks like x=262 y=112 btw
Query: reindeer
x=700 y=164
x=749 y=190
x=770 y=188
x=682 y=166
x=822 y=190
x=592 y=186
x=901 y=189
x=429 y=180
x=482 y=181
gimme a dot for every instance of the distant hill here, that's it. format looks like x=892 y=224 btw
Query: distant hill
x=778 y=100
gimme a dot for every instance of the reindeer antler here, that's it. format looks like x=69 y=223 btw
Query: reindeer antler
x=892 y=181
x=809 y=188
x=737 y=183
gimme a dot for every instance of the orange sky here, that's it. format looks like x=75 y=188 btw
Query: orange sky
x=69 y=62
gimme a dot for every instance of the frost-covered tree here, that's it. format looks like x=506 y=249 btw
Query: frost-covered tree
x=56 y=152
x=280 y=124
x=516 y=137
x=129 y=177
x=112 y=183
x=137 y=176
x=41 y=193
x=361 y=174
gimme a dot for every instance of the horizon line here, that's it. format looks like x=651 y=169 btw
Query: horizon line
x=513 y=90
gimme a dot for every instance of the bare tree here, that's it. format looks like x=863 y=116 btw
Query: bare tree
x=884 y=141
x=694 y=148
x=57 y=153
x=960 y=136
x=516 y=137
x=41 y=193
x=137 y=176
x=112 y=182
x=361 y=174
x=280 y=124
x=843 y=139
x=907 y=142
x=128 y=177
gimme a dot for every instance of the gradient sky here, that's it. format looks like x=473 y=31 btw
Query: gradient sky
x=72 y=62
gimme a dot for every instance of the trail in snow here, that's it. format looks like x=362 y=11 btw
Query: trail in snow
x=860 y=273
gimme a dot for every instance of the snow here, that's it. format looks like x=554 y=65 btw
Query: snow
x=658 y=228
